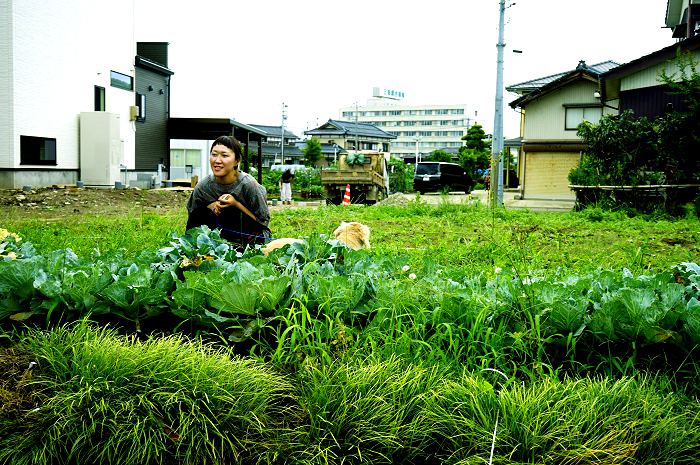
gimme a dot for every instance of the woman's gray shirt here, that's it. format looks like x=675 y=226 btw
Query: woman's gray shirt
x=245 y=189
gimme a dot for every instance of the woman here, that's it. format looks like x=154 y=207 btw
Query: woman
x=230 y=199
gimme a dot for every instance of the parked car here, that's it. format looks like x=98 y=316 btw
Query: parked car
x=433 y=176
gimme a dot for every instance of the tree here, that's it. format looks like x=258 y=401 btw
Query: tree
x=476 y=138
x=474 y=162
x=312 y=152
x=687 y=82
x=439 y=155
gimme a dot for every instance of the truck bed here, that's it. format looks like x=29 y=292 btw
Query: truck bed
x=330 y=177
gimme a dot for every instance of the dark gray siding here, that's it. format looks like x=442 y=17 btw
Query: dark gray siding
x=651 y=102
x=154 y=51
x=151 y=134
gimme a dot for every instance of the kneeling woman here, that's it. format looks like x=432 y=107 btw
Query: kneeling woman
x=230 y=199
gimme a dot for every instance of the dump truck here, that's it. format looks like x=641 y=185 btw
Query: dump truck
x=365 y=172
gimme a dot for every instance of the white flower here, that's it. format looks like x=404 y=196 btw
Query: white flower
x=439 y=271
x=406 y=268
x=498 y=270
x=412 y=276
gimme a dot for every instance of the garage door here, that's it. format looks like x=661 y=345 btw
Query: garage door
x=546 y=174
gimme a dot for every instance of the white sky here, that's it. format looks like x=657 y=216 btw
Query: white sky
x=242 y=59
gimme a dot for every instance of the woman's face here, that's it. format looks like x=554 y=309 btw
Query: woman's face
x=223 y=163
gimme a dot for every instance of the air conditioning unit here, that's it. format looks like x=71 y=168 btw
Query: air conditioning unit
x=101 y=153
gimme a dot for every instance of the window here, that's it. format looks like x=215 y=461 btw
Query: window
x=409 y=123
x=444 y=123
x=427 y=112
x=425 y=133
x=395 y=113
x=141 y=104
x=459 y=111
x=121 y=81
x=577 y=115
x=37 y=150
x=440 y=112
x=426 y=123
x=409 y=133
x=99 y=98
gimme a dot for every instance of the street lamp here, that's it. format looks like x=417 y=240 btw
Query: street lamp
x=417 y=138
x=284 y=117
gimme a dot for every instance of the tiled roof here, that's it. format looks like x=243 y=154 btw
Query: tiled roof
x=348 y=128
x=275 y=131
x=529 y=86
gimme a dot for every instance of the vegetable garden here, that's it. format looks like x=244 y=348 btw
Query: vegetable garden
x=573 y=336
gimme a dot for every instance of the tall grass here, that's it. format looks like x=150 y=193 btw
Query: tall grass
x=112 y=400
x=163 y=400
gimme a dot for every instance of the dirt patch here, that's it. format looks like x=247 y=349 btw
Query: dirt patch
x=18 y=394
x=65 y=201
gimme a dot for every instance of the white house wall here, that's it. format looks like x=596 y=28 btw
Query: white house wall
x=546 y=115
x=58 y=51
x=202 y=145
x=6 y=87
x=650 y=77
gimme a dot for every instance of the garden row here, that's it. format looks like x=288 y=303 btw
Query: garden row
x=315 y=298
x=85 y=395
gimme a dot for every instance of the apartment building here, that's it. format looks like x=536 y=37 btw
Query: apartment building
x=419 y=129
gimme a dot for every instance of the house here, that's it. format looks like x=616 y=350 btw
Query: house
x=273 y=152
x=152 y=89
x=329 y=153
x=552 y=108
x=61 y=60
x=677 y=18
x=636 y=85
x=352 y=136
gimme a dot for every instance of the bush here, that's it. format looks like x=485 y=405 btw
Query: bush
x=400 y=176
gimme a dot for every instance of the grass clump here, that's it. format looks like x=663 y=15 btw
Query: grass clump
x=165 y=400
x=106 y=399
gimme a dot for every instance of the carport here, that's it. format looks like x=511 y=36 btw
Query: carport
x=211 y=128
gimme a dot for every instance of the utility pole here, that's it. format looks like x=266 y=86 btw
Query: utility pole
x=284 y=117
x=357 y=133
x=497 y=141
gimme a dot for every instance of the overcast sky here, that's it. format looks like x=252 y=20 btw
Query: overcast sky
x=243 y=59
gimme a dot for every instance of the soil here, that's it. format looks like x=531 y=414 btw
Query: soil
x=61 y=201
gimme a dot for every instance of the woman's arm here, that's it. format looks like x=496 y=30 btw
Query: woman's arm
x=228 y=200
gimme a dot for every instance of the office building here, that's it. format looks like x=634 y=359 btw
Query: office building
x=419 y=129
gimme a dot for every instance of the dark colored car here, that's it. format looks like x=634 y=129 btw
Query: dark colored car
x=433 y=176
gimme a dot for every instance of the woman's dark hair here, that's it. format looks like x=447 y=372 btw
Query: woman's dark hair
x=230 y=142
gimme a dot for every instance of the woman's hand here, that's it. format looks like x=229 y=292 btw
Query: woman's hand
x=227 y=200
